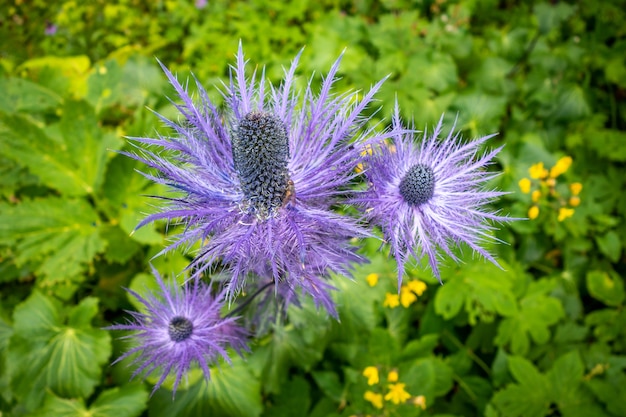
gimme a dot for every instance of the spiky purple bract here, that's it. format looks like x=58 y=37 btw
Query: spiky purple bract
x=179 y=327
x=286 y=230
x=430 y=197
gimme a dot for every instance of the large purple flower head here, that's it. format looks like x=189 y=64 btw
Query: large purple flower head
x=260 y=181
x=180 y=326
x=430 y=197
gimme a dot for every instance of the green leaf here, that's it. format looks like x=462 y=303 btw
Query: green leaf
x=605 y=286
x=430 y=377
x=536 y=314
x=62 y=234
x=70 y=156
x=530 y=398
x=20 y=95
x=329 y=383
x=46 y=353
x=294 y=399
x=120 y=246
x=125 y=401
x=232 y=391
x=610 y=245
x=483 y=288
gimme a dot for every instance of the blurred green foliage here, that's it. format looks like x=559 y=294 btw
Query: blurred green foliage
x=544 y=337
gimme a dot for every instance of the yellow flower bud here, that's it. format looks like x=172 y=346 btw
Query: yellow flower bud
x=392 y=376
x=575 y=188
x=536 y=195
x=562 y=165
x=524 y=185
x=372 y=279
x=564 y=213
x=537 y=171
x=533 y=212
x=574 y=201
x=420 y=401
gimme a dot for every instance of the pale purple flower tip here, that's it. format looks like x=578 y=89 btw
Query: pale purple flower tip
x=180 y=327
x=261 y=180
x=51 y=29
x=430 y=197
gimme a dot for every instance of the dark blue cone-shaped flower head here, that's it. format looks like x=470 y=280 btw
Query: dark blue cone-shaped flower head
x=429 y=197
x=179 y=327
x=260 y=181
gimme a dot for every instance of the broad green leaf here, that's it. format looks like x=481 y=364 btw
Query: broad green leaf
x=537 y=312
x=70 y=156
x=49 y=352
x=62 y=234
x=430 y=377
x=120 y=246
x=231 y=391
x=329 y=383
x=484 y=289
x=294 y=399
x=65 y=75
x=610 y=245
x=20 y=95
x=530 y=397
x=605 y=286
x=125 y=401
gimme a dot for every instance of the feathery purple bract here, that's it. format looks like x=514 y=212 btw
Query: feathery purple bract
x=430 y=197
x=180 y=326
x=261 y=178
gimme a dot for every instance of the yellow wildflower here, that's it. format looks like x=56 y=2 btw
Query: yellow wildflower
x=574 y=201
x=417 y=286
x=392 y=376
x=533 y=212
x=407 y=297
x=536 y=195
x=391 y=300
x=562 y=165
x=372 y=279
x=575 y=188
x=537 y=171
x=397 y=394
x=564 y=213
x=371 y=373
x=420 y=401
x=551 y=182
x=524 y=185
x=375 y=399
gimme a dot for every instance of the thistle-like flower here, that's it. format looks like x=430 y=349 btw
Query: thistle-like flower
x=430 y=197
x=261 y=180
x=179 y=327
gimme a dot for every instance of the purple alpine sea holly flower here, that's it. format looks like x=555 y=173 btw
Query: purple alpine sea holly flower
x=179 y=327
x=430 y=197
x=261 y=181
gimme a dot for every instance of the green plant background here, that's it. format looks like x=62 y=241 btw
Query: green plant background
x=545 y=337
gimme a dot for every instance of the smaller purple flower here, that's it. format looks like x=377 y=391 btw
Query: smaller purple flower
x=180 y=326
x=51 y=29
x=430 y=197
x=201 y=4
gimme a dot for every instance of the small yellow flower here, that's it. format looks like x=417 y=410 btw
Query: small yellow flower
x=575 y=188
x=536 y=195
x=533 y=212
x=397 y=394
x=574 y=201
x=372 y=279
x=417 y=286
x=371 y=373
x=562 y=165
x=420 y=401
x=375 y=399
x=524 y=185
x=391 y=300
x=407 y=297
x=537 y=171
x=392 y=376
x=564 y=213
x=551 y=182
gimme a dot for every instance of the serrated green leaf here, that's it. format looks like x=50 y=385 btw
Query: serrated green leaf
x=62 y=234
x=231 y=391
x=537 y=312
x=530 y=398
x=605 y=286
x=46 y=353
x=483 y=288
x=20 y=95
x=120 y=246
x=70 y=156
x=125 y=401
